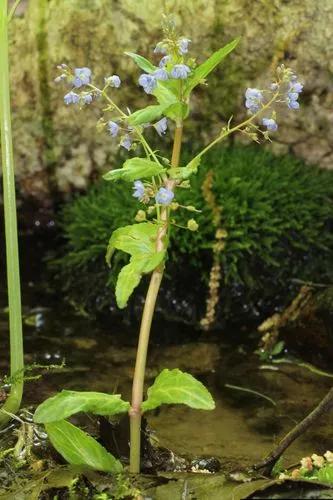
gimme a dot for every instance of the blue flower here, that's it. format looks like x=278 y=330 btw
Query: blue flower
x=164 y=61
x=161 y=74
x=113 y=128
x=295 y=87
x=113 y=81
x=164 y=196
x=87 y=99
x=148 y=82
x=159 y=49
x=71 y=98
x=183 y=45
x=180 y=71
x=161 y=126
x=138 y=190
x=82 y=77
x=253 y=99
x=270 y=124
x=126 y=142
x=292 y=103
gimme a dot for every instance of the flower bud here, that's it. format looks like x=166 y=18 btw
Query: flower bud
x=140 y=216
x=192 y=225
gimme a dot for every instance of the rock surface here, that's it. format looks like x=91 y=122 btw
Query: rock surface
x=58 y=148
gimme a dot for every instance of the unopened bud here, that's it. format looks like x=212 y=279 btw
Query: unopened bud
x=140 y=216
x=192 y=225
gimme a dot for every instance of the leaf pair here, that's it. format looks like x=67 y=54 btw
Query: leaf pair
x=78 y=448
x=138 y=240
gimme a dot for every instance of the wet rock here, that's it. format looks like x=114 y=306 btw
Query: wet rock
x=209 y=464
x=313 y=326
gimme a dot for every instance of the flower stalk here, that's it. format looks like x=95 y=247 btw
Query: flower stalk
x=13 y=401
x=146 y=321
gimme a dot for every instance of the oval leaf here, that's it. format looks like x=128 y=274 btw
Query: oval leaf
x=177 y=387
x=142 y=62
x=146 y=115
x=185 y=172
x=130 y=275
x=78 y=448
x=67 y=403
x=165 y=93
x=136 y=239
x=200 y=73
x=134 y=169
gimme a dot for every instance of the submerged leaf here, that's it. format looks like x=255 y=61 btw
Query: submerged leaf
x=67 y=403
x=78 y=448
x=177 y=387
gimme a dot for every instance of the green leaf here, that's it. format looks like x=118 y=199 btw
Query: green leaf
x=166 y=93
x=130 y=275
x=67 y=403
x=146 y=115
x=136 y=239
x=185 y=172
x=177 y=110
x=142 y=62
x=177 y=387
x=325 y=474
x=78 y=448
x=200 y=73
x=134 y=169
x=139 y=240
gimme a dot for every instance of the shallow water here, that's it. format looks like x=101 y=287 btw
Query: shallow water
x=242 y=429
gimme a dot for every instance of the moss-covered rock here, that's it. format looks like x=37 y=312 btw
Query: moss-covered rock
x=275 y=215
x=58 y=148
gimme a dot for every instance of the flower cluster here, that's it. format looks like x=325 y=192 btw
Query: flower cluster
x=163 y=196
x=285 y=89
x=80 y=78
x=171 y=66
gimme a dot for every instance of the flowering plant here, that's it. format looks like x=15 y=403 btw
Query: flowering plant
x=156 y=181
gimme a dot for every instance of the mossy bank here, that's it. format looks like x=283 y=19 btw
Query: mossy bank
x=274 y=215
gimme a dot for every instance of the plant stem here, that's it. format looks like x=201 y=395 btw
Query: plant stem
x=146 y=321
x=229 y=131
x=13 y=401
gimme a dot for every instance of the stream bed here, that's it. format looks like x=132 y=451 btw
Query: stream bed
x=100 y=357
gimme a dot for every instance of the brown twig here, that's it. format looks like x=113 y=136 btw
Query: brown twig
x=323 y=407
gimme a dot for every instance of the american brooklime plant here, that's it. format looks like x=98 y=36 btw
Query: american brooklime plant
x=155 y=181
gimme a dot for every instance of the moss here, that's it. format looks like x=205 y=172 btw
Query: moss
x=276 y=212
